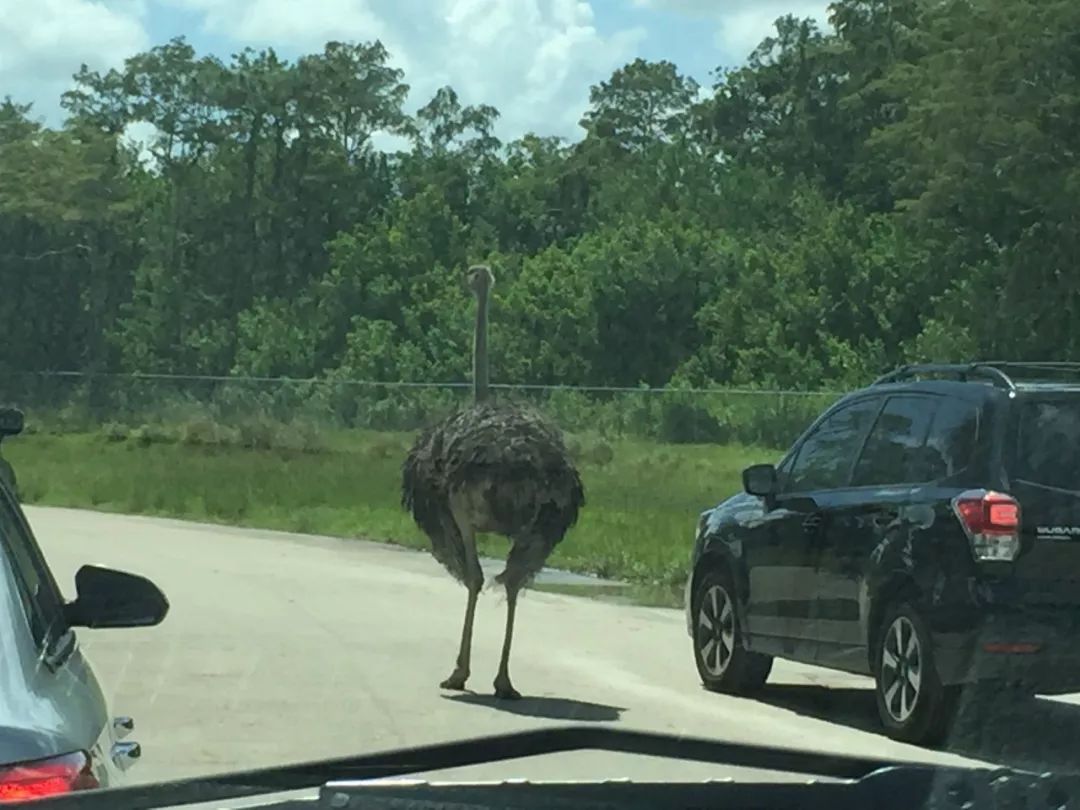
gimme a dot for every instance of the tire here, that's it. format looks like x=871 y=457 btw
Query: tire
x=722 y=662
x=912 y=703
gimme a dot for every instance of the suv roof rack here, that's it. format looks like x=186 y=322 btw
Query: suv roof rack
x=1002 y=373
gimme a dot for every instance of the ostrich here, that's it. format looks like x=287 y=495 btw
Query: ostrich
x=496 y=468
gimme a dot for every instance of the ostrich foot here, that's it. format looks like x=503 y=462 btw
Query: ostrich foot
x=504 y=690
x=456 y=681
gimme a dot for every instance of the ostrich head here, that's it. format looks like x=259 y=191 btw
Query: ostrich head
x=480 y=281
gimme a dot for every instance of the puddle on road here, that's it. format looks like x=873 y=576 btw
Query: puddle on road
x=568 y=583
x=617 y=593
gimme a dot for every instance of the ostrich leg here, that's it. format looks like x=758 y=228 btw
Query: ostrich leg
x=503 y=688
x=527 y=555
x=474 y=581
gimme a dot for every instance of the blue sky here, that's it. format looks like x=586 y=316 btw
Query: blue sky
x=533 y=59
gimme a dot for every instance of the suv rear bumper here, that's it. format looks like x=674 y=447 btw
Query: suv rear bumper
x=1037 y=648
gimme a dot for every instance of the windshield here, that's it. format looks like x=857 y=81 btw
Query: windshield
x=416 y=349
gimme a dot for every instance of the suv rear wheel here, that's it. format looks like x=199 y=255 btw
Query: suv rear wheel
x=913 y=704
x=722 y=662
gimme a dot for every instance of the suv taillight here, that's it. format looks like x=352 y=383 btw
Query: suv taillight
x=46 y=777
x=991 y=521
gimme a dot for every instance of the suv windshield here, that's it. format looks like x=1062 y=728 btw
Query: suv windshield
x=1047 y=438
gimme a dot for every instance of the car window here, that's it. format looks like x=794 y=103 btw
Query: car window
x=950 y=446
x=37 y=590
x=896 y=451
x=825 y=459
x=1047 y=438
x=783 y=470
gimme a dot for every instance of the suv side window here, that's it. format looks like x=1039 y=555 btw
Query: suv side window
x=895 y=451
x=953 y=436
x=825 y=459
x=38 y=592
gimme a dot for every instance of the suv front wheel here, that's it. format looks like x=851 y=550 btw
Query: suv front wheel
x=913 y=704
x=722 y=662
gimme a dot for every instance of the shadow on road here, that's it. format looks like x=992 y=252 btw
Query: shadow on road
x=550 y=708
x=1037 y=734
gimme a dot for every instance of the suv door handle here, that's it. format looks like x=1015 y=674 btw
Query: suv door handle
x=812 y=524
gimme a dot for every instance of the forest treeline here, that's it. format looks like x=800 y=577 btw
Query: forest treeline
x=902 y=185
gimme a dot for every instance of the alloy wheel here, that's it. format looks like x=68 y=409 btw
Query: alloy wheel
x=716 y=630
x=901 y=669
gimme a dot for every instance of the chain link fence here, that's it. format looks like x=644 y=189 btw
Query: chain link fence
x=266 y=412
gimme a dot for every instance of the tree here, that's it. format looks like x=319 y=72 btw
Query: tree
x=917 y=155
x=642 y=105
x=984 y=165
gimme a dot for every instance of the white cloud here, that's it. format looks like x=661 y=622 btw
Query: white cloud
x=532 y=59
x=741 y=25
x=42 y=43
x=286 y=21
x=140 y=135
x=741 y=30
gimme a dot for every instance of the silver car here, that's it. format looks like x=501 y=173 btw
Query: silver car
x=56 y=732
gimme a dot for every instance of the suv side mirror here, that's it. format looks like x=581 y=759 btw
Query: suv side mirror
x=760 y=480
x=108 y=598
x=12 y=422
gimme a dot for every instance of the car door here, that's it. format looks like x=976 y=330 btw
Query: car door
x=858 y=517
x=782 y=588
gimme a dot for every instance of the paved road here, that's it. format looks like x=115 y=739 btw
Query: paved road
x=281 y=648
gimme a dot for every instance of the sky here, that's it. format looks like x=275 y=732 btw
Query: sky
x=534 y=60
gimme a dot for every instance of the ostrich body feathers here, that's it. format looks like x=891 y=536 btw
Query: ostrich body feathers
x=504 y=469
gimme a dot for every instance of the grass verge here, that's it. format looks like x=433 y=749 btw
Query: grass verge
x=643 y=498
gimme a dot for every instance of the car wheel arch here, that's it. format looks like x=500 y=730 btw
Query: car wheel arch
x=716 y=558
x=900 y=587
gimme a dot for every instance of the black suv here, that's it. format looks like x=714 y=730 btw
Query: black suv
x=924 y=530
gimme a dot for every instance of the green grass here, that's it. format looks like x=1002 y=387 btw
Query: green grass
x=643 y=498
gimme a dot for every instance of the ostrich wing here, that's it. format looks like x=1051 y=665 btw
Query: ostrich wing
x=424 y=495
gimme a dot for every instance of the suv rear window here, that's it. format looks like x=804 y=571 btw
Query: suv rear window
x=1047 y=442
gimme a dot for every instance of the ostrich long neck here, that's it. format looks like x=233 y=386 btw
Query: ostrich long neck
x=481 y=390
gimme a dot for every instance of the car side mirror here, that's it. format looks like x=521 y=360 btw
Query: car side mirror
x=12 y=422
x=760 y=480
x=108 y=598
